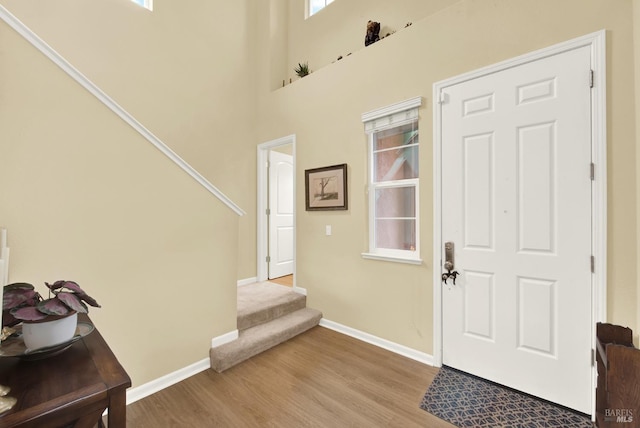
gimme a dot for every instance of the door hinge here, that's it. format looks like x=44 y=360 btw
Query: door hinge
x=593 y=171
x=268 y=211
x=443 y=98
x=593 y=357
x=593 y=264
x=268 y=259
x=591 y=79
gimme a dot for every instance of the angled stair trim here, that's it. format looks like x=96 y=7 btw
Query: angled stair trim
x=54 y=56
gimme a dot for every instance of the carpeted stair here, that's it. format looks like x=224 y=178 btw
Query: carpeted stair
x=268 y=314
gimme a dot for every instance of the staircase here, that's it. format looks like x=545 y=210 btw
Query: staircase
x=268 y=314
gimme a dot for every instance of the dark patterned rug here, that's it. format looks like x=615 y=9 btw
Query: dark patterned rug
x=468 y=401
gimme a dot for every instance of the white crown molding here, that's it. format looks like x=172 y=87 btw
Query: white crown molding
x=379 y=342
x=54 y=56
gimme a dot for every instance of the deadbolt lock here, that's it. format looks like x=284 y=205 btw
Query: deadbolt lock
x=448 y=263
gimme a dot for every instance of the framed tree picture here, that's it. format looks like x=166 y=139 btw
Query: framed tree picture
x=326 y=188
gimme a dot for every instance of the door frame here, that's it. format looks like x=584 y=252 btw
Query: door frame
x=263 y=203
x=597 y=43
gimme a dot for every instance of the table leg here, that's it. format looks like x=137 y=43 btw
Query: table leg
x=117 y=417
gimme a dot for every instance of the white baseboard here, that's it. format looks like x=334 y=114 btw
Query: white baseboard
x=142 y=391
x=378 y=341
x=247 y=281
x=300 y=290
x=225 y=338
x=149 y=388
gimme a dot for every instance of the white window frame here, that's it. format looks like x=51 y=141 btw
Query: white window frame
x=388 y=117
x=147 y=4
x=308 y=10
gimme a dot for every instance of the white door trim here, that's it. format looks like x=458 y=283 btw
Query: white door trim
x=597 y=43
x=263 y=226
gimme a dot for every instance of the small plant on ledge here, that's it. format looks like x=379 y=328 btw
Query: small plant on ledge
x=302 y=69
x=23 y=302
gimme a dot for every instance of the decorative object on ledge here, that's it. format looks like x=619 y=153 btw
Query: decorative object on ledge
x=302 y=69
x=326 y=188
x=373 y=33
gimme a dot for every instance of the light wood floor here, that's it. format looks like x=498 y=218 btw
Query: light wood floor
x=284 y=280
x=318 y=379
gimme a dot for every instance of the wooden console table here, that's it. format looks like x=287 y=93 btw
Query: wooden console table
x=71 y=389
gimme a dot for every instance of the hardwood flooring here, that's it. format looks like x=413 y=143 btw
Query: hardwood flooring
x=320 y=378
x=284 y=280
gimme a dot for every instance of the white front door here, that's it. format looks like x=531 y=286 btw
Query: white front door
x=281 y=214
x=516 y=204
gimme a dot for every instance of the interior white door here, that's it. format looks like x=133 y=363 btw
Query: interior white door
x=281 y=214
x=516 y=203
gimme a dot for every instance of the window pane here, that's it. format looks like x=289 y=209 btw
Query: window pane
x=315 y=6
x=396 y=153
x=396 y=164
x=396 y=202
x=396 y=234
x=395 y=137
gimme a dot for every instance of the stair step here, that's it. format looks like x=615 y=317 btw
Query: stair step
x=262 y=302
x=259 y=338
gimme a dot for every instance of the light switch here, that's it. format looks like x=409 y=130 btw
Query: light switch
x=328 y=230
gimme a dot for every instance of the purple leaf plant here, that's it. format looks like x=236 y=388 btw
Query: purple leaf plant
x=65 y=297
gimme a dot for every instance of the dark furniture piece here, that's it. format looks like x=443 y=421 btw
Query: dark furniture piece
x=71 y=389
x=618 y=390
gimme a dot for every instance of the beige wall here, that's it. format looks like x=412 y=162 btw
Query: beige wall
x=394 y=301
x=86 y=198
x=185 y=71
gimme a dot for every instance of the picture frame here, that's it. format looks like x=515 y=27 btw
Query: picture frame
x=326 y=188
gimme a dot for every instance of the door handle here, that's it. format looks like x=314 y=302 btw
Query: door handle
x=449 y=264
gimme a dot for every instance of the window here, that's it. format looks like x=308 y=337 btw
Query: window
x=314 y=6
x=394 y=227
x=144 y=3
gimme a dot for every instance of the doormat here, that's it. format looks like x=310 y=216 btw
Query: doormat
x=468 y=401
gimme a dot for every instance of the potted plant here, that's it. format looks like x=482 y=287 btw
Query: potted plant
x=46 y=322
x=302 y=69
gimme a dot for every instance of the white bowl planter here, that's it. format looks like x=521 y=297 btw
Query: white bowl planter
x=49 y=333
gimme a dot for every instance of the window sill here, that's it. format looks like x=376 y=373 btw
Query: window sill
x=407 y=260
